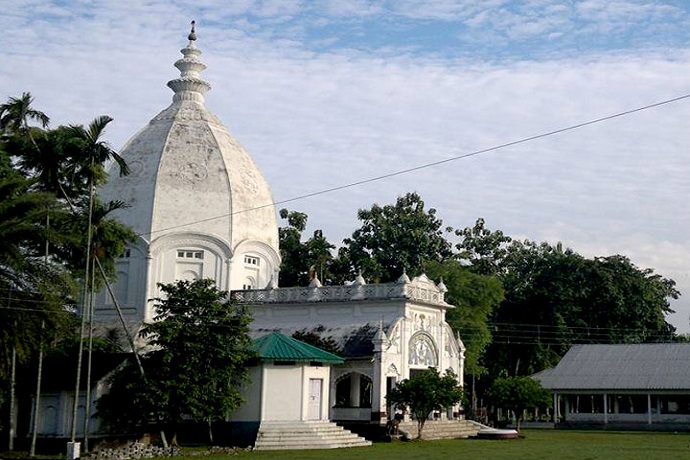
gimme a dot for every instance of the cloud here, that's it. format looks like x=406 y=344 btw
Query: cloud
x=314 y=118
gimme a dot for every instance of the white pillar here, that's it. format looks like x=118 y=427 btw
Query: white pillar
x=355 y=384
x=606 y=409
x=649 y=408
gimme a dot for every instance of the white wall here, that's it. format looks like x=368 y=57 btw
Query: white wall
x=282 y=392
x=250 y=411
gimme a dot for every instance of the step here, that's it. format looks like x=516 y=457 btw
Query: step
x=280 y=435
x=442 y=429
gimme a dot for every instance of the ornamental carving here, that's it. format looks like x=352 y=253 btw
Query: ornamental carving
x=392 y=370
x=422 y=351
x=394 y=339
x=448 y=344
x=249 y=181
x=193 y=172
x=136 y=168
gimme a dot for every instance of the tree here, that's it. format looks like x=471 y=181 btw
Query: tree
x=16 y=113
x=474 y=297
x=301 y=261
x=555 y=297
x=394 y=239
x=46 y=178
x=199 y=346
x=425 y=392
x=484 y=250
x=35 y=288
x=519 y=394
x=293 y=268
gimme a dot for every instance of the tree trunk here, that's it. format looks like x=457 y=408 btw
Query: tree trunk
x=37 y=405
x=210 y=431
x=13 y=375
x=420 y=427
x=89 y=361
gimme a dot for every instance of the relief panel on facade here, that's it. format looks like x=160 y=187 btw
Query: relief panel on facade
x=422 y=351
x=394 y=338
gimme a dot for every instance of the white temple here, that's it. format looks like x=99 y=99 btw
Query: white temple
x=201 y=207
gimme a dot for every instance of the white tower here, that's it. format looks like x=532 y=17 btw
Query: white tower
x=201 y=207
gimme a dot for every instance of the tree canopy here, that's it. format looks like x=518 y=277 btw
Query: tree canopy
x=425 y=392
x=394 y=239
x=555 y=297
x=43 y=225
x=301 y=261
x=199 y=349
x=475 y=298
x=519 y=394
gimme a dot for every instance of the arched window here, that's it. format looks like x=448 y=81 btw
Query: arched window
x=249 y=283
x=353 y=390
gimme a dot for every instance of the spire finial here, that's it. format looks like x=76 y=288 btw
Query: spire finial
x=192 y=35
x=189 y=87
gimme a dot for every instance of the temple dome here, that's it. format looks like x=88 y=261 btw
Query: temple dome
x=192 y=188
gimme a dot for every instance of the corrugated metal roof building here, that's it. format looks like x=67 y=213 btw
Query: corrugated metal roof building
x=622 y=384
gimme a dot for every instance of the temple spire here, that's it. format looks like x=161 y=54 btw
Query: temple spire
x=190 y=87
x=192 y=34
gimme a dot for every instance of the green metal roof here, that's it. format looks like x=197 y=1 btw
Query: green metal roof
x=279 y=347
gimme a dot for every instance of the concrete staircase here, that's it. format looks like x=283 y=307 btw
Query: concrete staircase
x=442 y=429
x=305 y=435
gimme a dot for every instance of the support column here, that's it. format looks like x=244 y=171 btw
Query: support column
x=649 y=409
x=355 y=385
x=606 y=409
x=378 y=395
x=378 y=400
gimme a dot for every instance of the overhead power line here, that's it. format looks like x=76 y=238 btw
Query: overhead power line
x=434 y=163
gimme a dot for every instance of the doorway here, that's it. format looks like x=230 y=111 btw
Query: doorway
x=314 y=405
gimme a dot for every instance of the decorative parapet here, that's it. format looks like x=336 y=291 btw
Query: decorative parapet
x=420 y=288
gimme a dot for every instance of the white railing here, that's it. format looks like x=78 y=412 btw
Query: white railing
x=414 y=290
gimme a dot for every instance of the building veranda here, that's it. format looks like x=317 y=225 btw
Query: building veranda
x=622 y=386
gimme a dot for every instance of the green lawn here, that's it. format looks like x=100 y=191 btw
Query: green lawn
x=536 y=444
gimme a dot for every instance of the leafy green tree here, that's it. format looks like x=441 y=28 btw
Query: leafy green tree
x=485 y=250
x=555 y=297
x=474 y=297
x=519 y=394
x=293 y=268
x=199 y=347
x=302 y=260
x=424 y=393
x=393 y=239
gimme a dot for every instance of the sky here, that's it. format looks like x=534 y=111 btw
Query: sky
x=327 y=93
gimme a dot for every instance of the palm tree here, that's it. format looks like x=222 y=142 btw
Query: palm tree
x=14 y=124
x=91 y=154
x=21 y=214
x=35 y=287
x=46 y=162
x=16 y=113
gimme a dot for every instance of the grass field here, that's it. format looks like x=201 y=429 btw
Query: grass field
x=536 y=444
